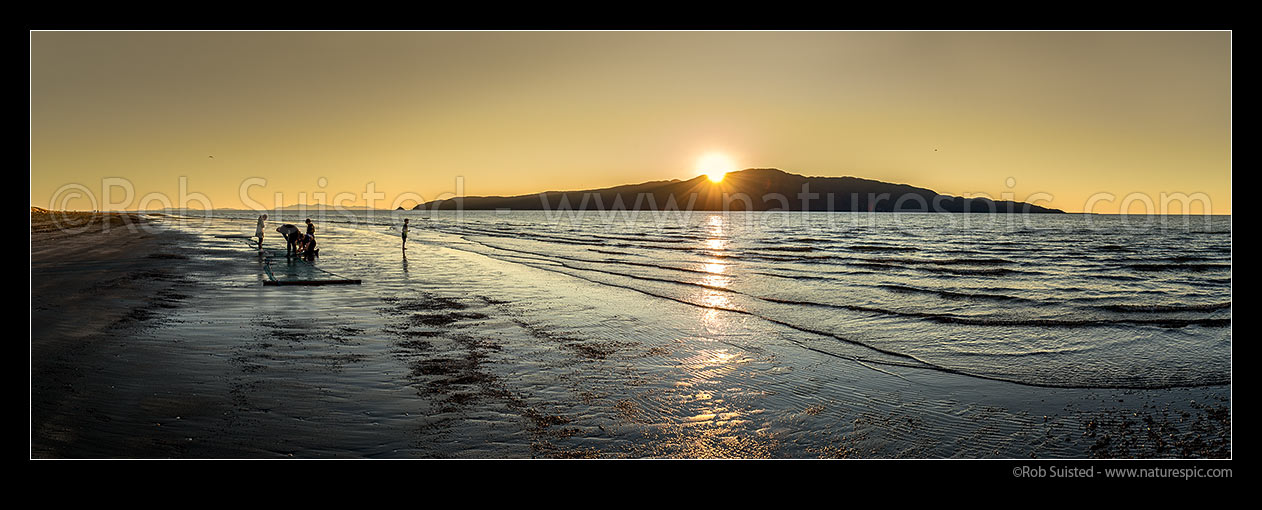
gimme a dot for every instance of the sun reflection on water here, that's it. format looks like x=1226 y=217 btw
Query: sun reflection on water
x=716 y=277
x=714 y=229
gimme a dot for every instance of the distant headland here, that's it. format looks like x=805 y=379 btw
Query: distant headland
x=754 y=189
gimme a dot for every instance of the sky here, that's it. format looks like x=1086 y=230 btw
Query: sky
x=1059 y=116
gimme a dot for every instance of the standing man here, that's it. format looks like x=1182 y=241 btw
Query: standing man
x=405 y=234
x=310 y=228
x=258 y=232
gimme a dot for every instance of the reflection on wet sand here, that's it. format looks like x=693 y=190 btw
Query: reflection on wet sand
x=712 y=413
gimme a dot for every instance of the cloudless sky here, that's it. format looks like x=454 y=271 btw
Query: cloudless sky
x=1070 y=114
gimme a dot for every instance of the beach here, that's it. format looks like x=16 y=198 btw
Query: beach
x=95 y=281
x=163 y=342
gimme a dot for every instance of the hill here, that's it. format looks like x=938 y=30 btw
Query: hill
x=755 y=189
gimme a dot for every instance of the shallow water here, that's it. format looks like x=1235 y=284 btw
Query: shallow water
x=1060 y=300
x=711 y=335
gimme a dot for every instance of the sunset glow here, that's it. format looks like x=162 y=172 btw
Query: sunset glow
x=1074 y=115
x=715 y=165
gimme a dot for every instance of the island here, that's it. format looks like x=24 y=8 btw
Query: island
x=753 y=189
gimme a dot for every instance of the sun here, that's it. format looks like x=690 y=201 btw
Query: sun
x=715 y=165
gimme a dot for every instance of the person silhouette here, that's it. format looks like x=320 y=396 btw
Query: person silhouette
x=291 y=234
x=404 y=232
x=258 y=232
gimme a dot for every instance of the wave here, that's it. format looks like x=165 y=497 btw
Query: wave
x=1047 y=352
x=1176 y=267
x=1084 y=323
x=785 y=248
x=554 y=259
x=645 y=264
x=946 y=262
x=802 y=258
x=954 y=294
x=997 y=271
x=1108 y=276
x=1188 y=258
x=873 y=247
x=999 y=321
x=809 y=240
x=535 y=237
x=1202 y=307
x=646 y=238
x=794 y=277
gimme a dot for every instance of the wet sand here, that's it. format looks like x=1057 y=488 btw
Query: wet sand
x=123 y=367
x=163 y=342
x=96 y=280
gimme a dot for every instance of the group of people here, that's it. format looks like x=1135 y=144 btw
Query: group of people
x=296 y=242
x=304 y=245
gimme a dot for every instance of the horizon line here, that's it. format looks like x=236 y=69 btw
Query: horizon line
x=506 y=209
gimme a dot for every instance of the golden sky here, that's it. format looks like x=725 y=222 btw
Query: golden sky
x=1070 y=114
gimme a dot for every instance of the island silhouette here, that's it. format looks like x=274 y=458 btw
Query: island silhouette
x=753 y=189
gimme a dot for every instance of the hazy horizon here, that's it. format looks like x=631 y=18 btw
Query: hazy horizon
x=1071 y=114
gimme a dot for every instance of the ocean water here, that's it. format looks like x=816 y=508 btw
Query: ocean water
x=746 y=334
